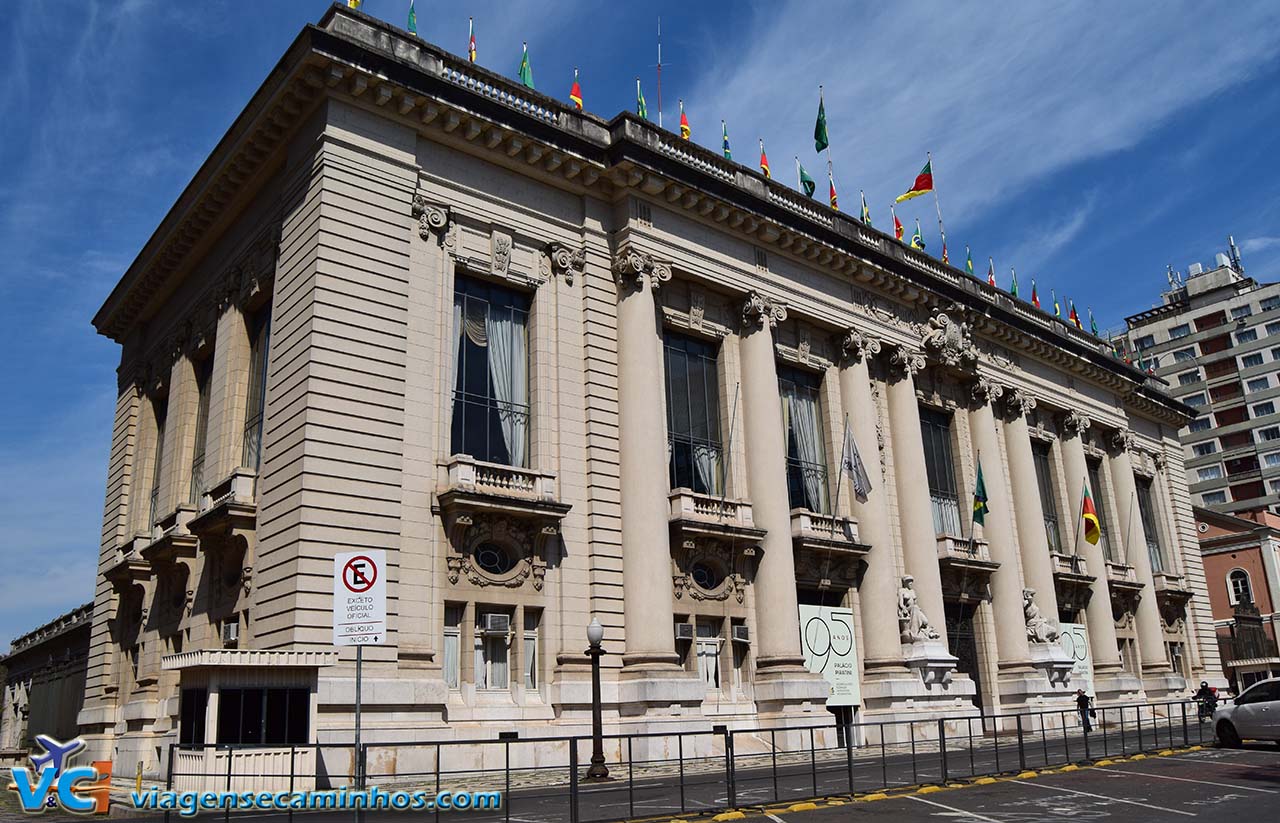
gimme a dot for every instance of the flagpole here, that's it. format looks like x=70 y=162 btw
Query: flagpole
x=728 y=448
x=824 y=112
x=659 y=71
x=973 y=525
x=936 y=204
x=799 y=179
x=844 y=449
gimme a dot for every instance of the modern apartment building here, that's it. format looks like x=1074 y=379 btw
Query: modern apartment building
x=1215 y=338
x=561 y=368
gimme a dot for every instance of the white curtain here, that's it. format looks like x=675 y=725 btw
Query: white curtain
x=457 y=343
x=509 y=373
x=804 y=427
x=706 y=461
x=451 y=661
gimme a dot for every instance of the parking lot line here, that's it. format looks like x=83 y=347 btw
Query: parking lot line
x=1189 y=780
x=1037 y=785
x=953 y=810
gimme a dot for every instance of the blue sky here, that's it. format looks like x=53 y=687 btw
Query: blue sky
x=1088 y=149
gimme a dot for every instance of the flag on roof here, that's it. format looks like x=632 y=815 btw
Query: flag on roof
x=1035 y=298
x=353 y=4
x=820 y=140
x=575 y=91
x=897 y=224
x=866 y=212
x=1093 y=324
x=1074 y=317
x=642 y=110
x=804 y=182
x=684 y=123
x=1013 y=282
x=1057 y=307
x=917 y=239
x=946 y=259
x=724 y=133
x=764 y=161
x=835 y=202
x=923 y=184
x=413 y=19
x=991 y=272
x=471 y=40
x=968 y=260
x=526 y=71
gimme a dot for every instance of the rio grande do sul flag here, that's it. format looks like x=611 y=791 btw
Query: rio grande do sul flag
x=923 y=184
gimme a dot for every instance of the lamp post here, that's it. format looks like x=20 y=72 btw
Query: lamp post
x=598 y=770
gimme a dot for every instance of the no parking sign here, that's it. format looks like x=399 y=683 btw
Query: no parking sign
x=360 y=598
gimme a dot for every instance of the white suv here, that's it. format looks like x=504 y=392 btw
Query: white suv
x=1254 y=714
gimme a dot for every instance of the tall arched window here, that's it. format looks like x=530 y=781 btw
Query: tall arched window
x=1239 y=587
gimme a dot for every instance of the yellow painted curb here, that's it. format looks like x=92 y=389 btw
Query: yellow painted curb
x=929 y=789
x=1166 y=752
x=728 y=816
x=1070 y=767
x=1104 y=762
x=1025 y=775
x=1138 y=757
x=875 y=796
x=984 y=781
x=1196 y=748
x=802 y=807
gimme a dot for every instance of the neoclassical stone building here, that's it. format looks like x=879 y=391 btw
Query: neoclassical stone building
x=560 y=368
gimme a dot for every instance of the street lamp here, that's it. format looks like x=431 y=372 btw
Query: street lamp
x=598 y=770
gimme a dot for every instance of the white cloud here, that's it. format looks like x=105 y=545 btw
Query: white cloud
x=1003 y=95
x=1041 y=242
x=1257 y=244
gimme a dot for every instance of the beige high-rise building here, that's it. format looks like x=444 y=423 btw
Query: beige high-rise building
x=562 y=368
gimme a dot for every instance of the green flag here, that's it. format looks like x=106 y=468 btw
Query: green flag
x=806 y=182
x=413 y=19
x=1013 y=284
x=1093 y=325
x=526 y=71
x=968 y=260
x=820 y=140
x=641 y=109
x=980 y=499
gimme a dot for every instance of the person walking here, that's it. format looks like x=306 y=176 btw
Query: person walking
x=1084 y=705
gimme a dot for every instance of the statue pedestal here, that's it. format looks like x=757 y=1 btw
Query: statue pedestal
x=930 y=660
x=1051 y=659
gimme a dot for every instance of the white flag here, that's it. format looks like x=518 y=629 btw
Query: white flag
x=851 y=464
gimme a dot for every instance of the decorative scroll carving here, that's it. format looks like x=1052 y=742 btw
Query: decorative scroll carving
x=949 y=342
x=1123 y=440
x=500 y=253
x=855 y=346
x=757 y=310
x=432 y=217
x=985 y=390
x=567 y=261
x=733 y=564
x=1159 y=461
x=1074 y=424
x=1018 y=403
x=1039 y=629
x=524 y=541
x=904 y=362
x=886 y=311
x=631 y=265
x=913 y=624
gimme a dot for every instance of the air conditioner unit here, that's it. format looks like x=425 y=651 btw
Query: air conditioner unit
x=741 y=634
x=684 y=631
x=497 y=623
x=230 y=632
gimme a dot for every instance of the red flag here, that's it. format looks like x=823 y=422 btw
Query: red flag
x=1035 y=298
x=991 y=274
x=897 y=224
x=575 y=91
x=764 y=162
x=835 y=203
x=684 y=123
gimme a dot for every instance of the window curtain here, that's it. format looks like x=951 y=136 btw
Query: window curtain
x=457 y=343
x=706 y=460
x=803 y=417
x=509 y=374
x=451 y=661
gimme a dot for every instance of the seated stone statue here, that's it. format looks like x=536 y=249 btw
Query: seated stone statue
x=913 y=623
x=1039 y=630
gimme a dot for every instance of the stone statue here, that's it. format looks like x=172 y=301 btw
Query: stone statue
x=913 y=624
x=1039 y=630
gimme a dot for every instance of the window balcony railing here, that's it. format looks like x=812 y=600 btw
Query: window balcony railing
x=807 y=486
x=693 y=516
x=465 y=472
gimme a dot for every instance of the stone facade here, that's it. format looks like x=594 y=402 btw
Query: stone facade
x=396 y=213
x=44 y=675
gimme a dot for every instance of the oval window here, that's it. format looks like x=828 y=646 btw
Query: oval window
x=494 y=559
x=706 y=576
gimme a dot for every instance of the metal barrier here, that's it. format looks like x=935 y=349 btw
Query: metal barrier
x=690 y=772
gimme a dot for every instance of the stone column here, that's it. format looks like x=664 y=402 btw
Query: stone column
x=646 y=552
x=1037 y=566
x=228 y=394
x=1098 y=617
x=764 y=440
x=878 y=608
x=915 y=513
x=1150 y=634
x=1006 y=582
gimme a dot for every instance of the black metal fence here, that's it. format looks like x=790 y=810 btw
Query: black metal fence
x=699 y=771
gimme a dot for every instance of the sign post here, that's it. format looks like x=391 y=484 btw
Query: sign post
x=360 y=615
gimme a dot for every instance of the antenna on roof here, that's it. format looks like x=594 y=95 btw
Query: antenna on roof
x=1235 y=254
x=1175 y=278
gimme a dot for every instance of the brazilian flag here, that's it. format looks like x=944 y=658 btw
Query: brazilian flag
x=980 y=499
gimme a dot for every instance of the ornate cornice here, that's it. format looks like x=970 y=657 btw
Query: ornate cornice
x=905 y=362
x=949 y=342
x=631 y=266
x=757 y=310
x=1018 y=403
x=1073 y=424
x=855 y=346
